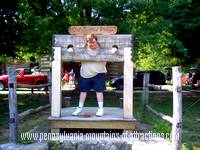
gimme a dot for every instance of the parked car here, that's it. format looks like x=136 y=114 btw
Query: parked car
x=192 y=78
x=156 y=77
x=24 y=76
x=167 y=71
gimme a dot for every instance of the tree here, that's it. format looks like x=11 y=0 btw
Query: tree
x=10 y=31
x=163 y=30
x=40 y=23
x=156 y=45
x=186 y=24
x=42 y=19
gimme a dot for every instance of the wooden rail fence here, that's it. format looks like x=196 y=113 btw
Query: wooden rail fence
x=12 y=99
x=176 y=120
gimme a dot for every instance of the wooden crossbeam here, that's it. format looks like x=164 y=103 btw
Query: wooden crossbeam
x=105 y=54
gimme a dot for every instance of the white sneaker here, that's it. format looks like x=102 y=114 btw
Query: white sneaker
x=100 y=112
x=78 y=110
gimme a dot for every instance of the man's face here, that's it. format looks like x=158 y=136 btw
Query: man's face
x=92 y=43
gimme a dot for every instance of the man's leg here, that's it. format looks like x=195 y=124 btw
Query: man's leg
x=82 y=98
x=100 y=99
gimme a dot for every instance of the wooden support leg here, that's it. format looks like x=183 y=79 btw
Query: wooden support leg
x=128 y=84
x=66 y=102
x=56 y=83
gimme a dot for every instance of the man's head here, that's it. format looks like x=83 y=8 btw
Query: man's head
x=92 y=42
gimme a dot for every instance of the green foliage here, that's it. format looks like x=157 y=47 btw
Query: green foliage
x=25 y=140
x=155 y=44
x=54 y=145
x=39 y=27
x=164 y=31
x=10 y=31
x=186 y=24
x=4 y=59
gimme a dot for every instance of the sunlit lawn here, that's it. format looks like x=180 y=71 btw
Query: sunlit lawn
x=160 y=101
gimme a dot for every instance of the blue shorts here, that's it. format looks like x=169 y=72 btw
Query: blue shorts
x=96 y=83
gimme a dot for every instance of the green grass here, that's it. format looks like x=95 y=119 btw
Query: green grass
x=162 y=102
x=159 y=101
x=191 y=117
x=25 y=102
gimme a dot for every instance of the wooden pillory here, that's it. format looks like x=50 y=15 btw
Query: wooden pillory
x=114 y=118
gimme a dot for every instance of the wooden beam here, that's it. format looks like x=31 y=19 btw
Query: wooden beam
x=94 y=124
x=112 y=119
x=106 y=43
x=56 y=83
x=12 y=99
x=128 y=83
x=161 y=87
x=33 y=86
x=83 y=56
x=177 y=109
x=163 y=116
x=32 y=110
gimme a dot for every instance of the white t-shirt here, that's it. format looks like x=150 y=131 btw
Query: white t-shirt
x=90 y=69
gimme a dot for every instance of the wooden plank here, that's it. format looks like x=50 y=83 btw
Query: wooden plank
x=26 y=113
x=12 y=99
x=80 y=53
x=33 y=86
x=161 y=87
x=128 y=84
x=85 y=57
x=106 y=42
x=56 y=83
x=177 y=109
x=44 y=59
x=84 y=30
x=82 y=124
x=110 y=113
x=19 y=65
x=45 y=69
x=46 y=64
x=161 y=115
x=112 y=119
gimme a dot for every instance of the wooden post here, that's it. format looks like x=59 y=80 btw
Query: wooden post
x=50 y=87
x=121 y=102
x=31 y=90
x=12 y=99
x=56 y=83
x=177 y=109
x=128 y=84
x=66 y=102
x=145 y=94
